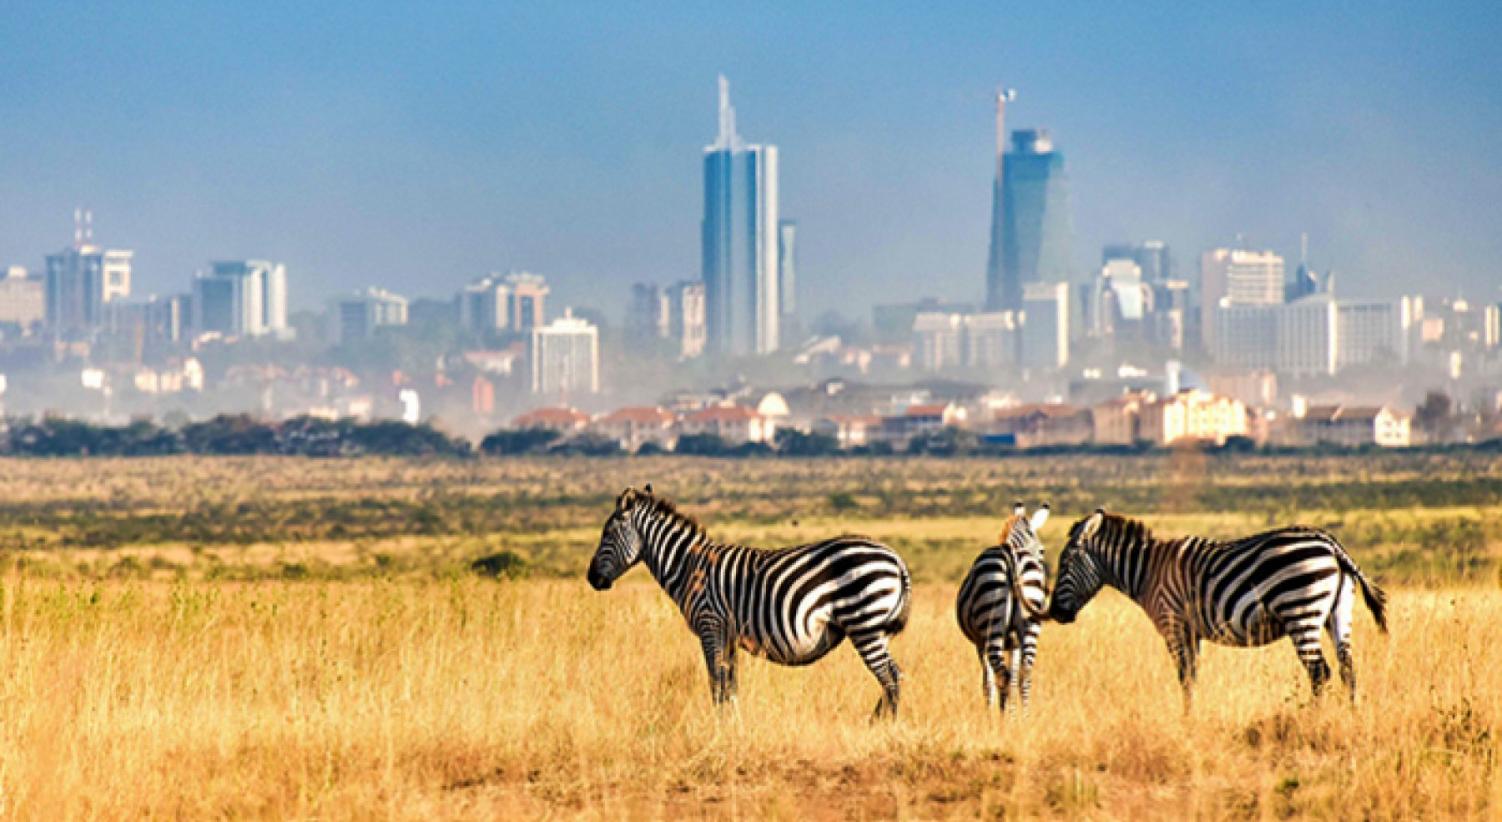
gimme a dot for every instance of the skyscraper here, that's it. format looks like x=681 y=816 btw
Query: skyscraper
x=81 y=279
x=1031 y=228
x=739 y=236
x=1045 y=325
x=355 y=318
x=241 y=298
x=1236 y=277
x=1151 y=256
x=787 y=278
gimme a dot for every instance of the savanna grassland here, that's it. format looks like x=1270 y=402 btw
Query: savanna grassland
x=265 y=637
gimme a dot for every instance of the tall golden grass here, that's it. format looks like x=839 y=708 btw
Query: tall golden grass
x=432 y=699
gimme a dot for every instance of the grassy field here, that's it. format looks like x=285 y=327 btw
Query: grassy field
x=294 y=638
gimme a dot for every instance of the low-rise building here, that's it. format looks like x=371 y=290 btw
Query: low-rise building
x=1039 y=425
x=920 y=419
x=1353 y=426
x=636 y=426
x=850 y=430
x=732 y=423
x=1118 y=421
x=1193 y=415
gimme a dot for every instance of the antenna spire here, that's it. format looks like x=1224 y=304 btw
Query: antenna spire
x=728 y=138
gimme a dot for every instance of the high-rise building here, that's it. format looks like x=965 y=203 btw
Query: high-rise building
x=511 y=304
x=1150 y=255
x=945 y=340
x=739 y=237
x=565 y=357
x=1045 y=325
x=1315 y=336
x=1236 y=277
x=356 y=317
x=686 y=318
x=526 y=305
x=649 y=314
x=787 y=278
x=1035 y=224
x=241 y=298
x=1121 y=303
x=81 y=279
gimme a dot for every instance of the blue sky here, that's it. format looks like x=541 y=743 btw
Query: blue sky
x=417 y=146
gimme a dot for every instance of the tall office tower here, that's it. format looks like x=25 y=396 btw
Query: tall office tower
x=739 y=237
x=995 y=267
x=565 y=357
x=241 y=298
x=787 y=277
x=356 y=317
x=686 y=318
x=81 y=279
x=1236 y=277
x=1045 y=325
x=1150 y=255
x=525 y=305
x=483 y=305
x=1032 y=225
x=1121 y=304
x=648 y=315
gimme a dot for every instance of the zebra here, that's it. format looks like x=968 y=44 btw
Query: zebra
x=1248 y=592
x=1000 y=606
x=791 y=606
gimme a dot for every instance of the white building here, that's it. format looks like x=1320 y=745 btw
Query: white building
x=1045 y=325
x=241 y=298
x=565 y=357
x=1317 y=335
x=515 y=302
x=80 y=281
x=1236 y=277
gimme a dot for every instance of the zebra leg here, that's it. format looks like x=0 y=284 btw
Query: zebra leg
x=1185 y=649
x=873 y=648
x=1306 y=642
x=987 y=678
x=1029 y=654
x=996 y=659
x=1339 y=626
x=719 y=658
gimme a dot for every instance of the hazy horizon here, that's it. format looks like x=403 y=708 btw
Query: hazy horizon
x=417 y=149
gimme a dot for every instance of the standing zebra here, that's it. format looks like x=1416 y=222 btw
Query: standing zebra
x=1000 y=605
x=1248 y=592
x=791 y=606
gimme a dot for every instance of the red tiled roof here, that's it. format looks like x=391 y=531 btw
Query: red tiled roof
x=643 y=414
x=551 y=416
x=931 y=410
x=723 y=413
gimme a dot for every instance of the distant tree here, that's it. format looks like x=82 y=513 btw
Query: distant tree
x=230 y=434
x=1435 y=416
x=794 y=443
x=702 y=445
x=511 y=442
x=587 y=445
x=944 y=442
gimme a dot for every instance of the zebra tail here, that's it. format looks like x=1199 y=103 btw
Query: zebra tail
x=904 y=608
x=1375 y=597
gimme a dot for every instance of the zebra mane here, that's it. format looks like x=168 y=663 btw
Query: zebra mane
x=1118 y=528
x=664 y=508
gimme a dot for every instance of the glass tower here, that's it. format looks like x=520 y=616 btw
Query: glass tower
x=1037 y=229
x=740 y=241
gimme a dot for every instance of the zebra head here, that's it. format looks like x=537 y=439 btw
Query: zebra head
x=1079 y=571
x=1020 y=536
x=620 y=542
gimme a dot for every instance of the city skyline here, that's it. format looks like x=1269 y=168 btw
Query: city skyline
x=439 y=164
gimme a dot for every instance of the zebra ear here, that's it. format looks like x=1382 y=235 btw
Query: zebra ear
x=626 y=499
x=1092 y=524
x=648 y=488
x=1040 y=516
x=1018 y=509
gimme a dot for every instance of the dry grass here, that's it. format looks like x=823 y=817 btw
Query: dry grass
x=297 y=638
x=434 y=699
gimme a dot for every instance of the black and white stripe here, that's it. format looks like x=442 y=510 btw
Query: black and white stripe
x=791 y=606
x=1000 y=606
x=1289 y=582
